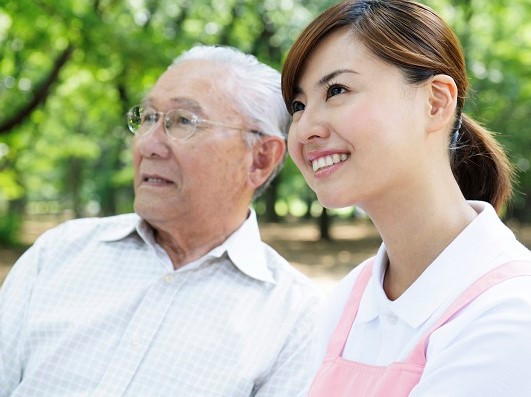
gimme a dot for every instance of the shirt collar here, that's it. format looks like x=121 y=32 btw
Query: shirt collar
x=374 y=298
x=121 y=227
x=244 y=247
x=454 y=269
x=246 y=251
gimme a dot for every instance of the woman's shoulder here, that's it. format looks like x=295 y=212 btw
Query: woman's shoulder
x=502 y=309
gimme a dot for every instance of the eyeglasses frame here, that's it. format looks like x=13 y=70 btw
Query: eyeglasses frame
x=196 y=121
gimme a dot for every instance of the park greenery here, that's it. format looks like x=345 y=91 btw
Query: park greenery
x=70 y=69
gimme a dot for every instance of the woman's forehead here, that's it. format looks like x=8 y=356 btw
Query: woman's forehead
x=336 y=51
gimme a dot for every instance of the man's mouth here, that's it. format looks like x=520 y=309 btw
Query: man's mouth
x=156 y=180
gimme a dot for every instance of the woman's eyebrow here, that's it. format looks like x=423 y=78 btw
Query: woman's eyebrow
x=326 y=78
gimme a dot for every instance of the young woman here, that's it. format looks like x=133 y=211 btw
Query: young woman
x=376 y=89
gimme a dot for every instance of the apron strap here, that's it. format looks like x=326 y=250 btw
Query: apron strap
x=339 y=337
x=497 y=275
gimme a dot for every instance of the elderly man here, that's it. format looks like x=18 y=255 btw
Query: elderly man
x=181 y=298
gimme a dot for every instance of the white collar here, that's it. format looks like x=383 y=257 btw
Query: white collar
x=470 y=255
x=244 y=247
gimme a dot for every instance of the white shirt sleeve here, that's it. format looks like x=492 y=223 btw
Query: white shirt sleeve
x=292 y=373
x=14 y=299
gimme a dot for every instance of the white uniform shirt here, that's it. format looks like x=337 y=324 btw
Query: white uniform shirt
x=484 y=351
x=95 y=308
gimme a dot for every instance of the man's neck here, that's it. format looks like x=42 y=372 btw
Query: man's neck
x=188 y=242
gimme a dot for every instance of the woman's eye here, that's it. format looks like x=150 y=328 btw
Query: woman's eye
x=334 y=90
x=296 y=106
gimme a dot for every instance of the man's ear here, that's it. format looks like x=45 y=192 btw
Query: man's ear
x=442 y=102
x=268 y=152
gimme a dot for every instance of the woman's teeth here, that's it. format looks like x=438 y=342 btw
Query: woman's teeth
x=327 y=161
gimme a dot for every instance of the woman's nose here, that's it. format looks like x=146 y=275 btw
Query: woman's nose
x=309 y=126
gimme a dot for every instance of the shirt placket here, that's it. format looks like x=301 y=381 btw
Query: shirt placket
x=141 y=331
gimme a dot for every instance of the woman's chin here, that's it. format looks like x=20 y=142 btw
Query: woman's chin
x=331 y=201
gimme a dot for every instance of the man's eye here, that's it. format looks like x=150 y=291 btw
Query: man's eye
x=334 y=90
x=182 y=120
x=150 y=117
x=297 y=106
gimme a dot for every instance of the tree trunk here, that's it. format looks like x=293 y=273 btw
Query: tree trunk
x=324 y=225
x=270 y=198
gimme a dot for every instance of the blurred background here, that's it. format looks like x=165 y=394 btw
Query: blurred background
x=70 y=69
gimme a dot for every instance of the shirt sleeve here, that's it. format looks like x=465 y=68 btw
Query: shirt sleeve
x=15 y=296
x=294 y=368
x=485 y=351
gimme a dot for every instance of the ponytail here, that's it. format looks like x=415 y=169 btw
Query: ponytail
x=480 y=165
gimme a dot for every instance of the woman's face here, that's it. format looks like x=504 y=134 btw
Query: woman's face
x=358 y=127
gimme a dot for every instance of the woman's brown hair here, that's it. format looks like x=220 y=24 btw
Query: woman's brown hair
x=415 y=39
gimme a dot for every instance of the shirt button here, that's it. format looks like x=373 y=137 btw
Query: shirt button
x=392 y=319
x=136 y=341
x=168 y=278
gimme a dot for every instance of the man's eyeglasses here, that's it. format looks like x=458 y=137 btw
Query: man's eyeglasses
x=179 y=124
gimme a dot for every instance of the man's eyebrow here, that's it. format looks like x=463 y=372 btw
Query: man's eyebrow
x=327 y=77
x=180 y=102
x=188 y=104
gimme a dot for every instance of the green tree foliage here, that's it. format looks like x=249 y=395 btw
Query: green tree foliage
x=69 y=70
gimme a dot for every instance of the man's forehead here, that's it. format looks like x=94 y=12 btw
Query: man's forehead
x=194 y=72
x=200 y=86
x=178 y=102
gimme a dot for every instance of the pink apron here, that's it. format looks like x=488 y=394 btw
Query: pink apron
x=338 y=377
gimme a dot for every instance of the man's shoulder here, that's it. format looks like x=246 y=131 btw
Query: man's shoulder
x=84 y=227
x=286 y=275
x=115 y=221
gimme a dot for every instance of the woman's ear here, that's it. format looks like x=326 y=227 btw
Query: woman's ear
x=268 y=152
x=442 y=102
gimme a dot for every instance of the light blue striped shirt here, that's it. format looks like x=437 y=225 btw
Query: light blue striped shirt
x=95 y=308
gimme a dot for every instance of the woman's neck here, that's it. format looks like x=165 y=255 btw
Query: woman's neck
x=416 y=233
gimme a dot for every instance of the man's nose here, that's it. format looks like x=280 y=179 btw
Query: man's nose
x=155 y=143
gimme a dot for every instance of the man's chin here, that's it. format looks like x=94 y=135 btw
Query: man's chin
x=145 y=209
